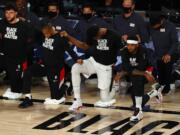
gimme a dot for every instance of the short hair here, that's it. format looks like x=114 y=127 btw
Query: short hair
x=53 y=4
x=88 y=5
x=10 y=6
x=91 y=34
x=133 y=1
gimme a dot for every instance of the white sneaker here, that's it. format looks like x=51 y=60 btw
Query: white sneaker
x=154 y=85
x=158 y=88
x=138 y=115
x=11 y=95
x=7 y=92
x=49 y=101
x=77 y=104
x=105 y=104
x=161 y=88
x=159 y=97
x=14 y=95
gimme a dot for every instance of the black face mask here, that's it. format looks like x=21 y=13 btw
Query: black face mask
x=52 y=14
x=127 y=10
x=87 y=16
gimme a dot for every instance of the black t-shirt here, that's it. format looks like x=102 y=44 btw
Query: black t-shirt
x=53 y=50
x=15 y=40
x=140 y=61
x=104 y=50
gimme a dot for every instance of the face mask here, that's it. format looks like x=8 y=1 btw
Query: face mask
x=127 y=10
x=52 y=14
x=87 y=16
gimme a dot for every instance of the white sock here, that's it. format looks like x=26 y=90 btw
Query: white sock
x=138 y=102
x=29 y=96
x=76 y=80
x=104 y=95
x=115 y=87
x=152 y=93
x=77 y=94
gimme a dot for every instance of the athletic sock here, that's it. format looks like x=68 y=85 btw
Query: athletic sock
x=77 y=95
x=138 y=102
x=29 y=96
x=104 y=95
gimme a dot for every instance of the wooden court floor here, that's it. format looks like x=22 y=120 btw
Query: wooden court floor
x=162 y=119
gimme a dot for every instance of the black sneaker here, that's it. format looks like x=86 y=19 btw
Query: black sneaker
x=26 y=103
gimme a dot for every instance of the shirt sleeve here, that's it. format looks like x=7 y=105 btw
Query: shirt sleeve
x=69 y=49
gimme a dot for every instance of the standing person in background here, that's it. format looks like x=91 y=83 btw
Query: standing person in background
x=130 y=23
x=165 y=40
x=16 y=38
x=25 y=15
x=55 y=19
x=87 y=20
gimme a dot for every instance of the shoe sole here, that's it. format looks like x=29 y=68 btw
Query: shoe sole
x=105 y=106
x=25 y=107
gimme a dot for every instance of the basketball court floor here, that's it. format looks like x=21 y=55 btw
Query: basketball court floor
x=40 y=119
